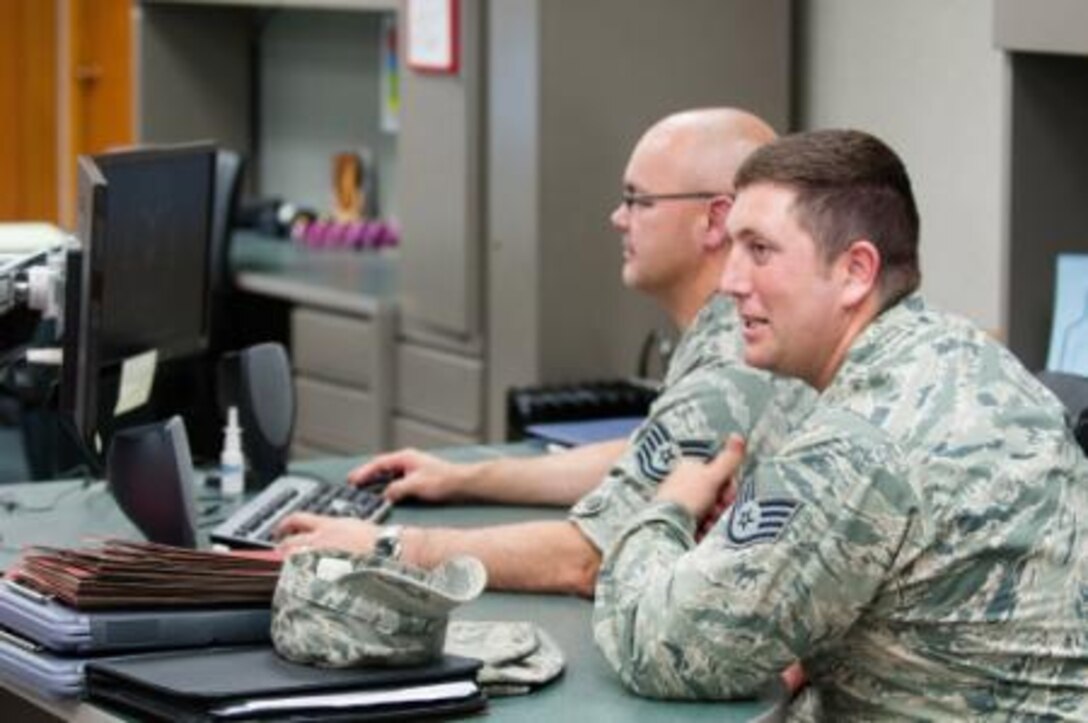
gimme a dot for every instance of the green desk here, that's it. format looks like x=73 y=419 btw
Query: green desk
x=587 y=691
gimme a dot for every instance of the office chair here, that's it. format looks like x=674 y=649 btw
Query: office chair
x=1072 y=391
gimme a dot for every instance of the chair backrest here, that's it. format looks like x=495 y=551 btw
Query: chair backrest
x=1072 y=391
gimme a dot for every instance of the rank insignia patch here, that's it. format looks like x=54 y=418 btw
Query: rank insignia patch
x=752 y=521
x=658 y=451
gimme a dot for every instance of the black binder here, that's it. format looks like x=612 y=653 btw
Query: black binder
x=204 y=685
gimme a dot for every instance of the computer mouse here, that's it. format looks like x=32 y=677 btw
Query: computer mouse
x=381 y=479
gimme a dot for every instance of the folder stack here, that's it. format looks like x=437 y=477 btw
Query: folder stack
x=62 y=608
x=177 y=634
x=122 y=573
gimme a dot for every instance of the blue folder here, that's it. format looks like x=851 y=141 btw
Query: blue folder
x=586 y=431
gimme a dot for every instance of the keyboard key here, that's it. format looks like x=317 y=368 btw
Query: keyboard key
x=266 y=511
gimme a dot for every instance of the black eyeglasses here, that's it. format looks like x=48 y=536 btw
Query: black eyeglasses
x=646 y=200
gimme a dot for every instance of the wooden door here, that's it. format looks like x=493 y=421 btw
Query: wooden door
x=101 y=111
x=28 y=110
x=66 y=88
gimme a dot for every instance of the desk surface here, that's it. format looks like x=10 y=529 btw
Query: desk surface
x=588 y=689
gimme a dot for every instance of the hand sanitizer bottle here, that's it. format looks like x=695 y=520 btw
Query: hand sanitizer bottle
x=232 y=465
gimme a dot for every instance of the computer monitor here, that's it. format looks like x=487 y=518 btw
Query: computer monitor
x=79 y=383
x=139 y=281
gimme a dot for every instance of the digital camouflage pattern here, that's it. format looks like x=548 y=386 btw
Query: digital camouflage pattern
x=517 y=657
x=708 y=393
x=493 y=643
x=920 y=544
x=335 y=609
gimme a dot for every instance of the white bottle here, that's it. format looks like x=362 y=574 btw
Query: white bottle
x=232 y=465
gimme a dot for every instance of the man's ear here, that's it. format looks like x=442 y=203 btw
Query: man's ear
x=861 y=265
x=714 y=232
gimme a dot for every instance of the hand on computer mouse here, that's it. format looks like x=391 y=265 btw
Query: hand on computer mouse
x=415 y=474
x=379 y=480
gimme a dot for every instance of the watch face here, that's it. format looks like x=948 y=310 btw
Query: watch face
x=388 y=543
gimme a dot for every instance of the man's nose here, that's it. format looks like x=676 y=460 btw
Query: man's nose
x=619 y=217
x=734 y=280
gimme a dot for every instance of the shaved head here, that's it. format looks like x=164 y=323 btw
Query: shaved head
x=705 y=147
x=678 y=189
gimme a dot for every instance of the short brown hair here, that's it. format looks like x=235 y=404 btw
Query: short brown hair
x=849 y=185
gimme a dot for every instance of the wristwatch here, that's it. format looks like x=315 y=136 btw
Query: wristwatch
x=388 y=542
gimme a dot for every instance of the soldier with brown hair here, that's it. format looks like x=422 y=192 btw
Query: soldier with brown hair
x=920 y=542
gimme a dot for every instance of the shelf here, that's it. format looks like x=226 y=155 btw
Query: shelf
x=353 y=282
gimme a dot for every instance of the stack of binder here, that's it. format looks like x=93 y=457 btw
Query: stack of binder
x=173 y=634
x=62 y=608
x=122 y=573
x=45 y=644
x=255 y=683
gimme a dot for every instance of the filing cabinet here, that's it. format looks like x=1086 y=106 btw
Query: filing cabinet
x=439 y=397
x=439 y=387
x=344 y=377
x=409 y=432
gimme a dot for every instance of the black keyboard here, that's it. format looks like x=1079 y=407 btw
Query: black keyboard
x=253 y=524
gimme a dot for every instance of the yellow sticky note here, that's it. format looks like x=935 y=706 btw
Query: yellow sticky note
x=137 y=377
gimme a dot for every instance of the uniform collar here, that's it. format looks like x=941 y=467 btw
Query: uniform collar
x=876 y=348
x=703 y=336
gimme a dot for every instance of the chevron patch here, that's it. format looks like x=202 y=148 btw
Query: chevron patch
x=754 y=521
x=658 y=451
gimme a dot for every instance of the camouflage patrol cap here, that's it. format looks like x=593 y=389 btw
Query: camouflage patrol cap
x=517 y=657
x=335 y=609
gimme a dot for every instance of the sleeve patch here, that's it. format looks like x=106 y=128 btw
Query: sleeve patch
x=757 y=521
x=658 y=451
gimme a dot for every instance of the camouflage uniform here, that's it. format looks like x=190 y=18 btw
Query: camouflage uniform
x=920 y=545
x=708 y=392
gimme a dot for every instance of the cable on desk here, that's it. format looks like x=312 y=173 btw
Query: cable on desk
x=10 y=504
x=81 y=471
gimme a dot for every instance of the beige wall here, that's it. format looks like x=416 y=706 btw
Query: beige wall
x=922 y=75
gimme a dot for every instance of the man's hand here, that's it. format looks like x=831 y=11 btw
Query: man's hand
x=705 y=490
x=794 y=678
x=303 y=529
x=425 y=476
x=725 y=500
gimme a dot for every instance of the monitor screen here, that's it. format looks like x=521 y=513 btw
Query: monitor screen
x=154 y=289
x=139 y=281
